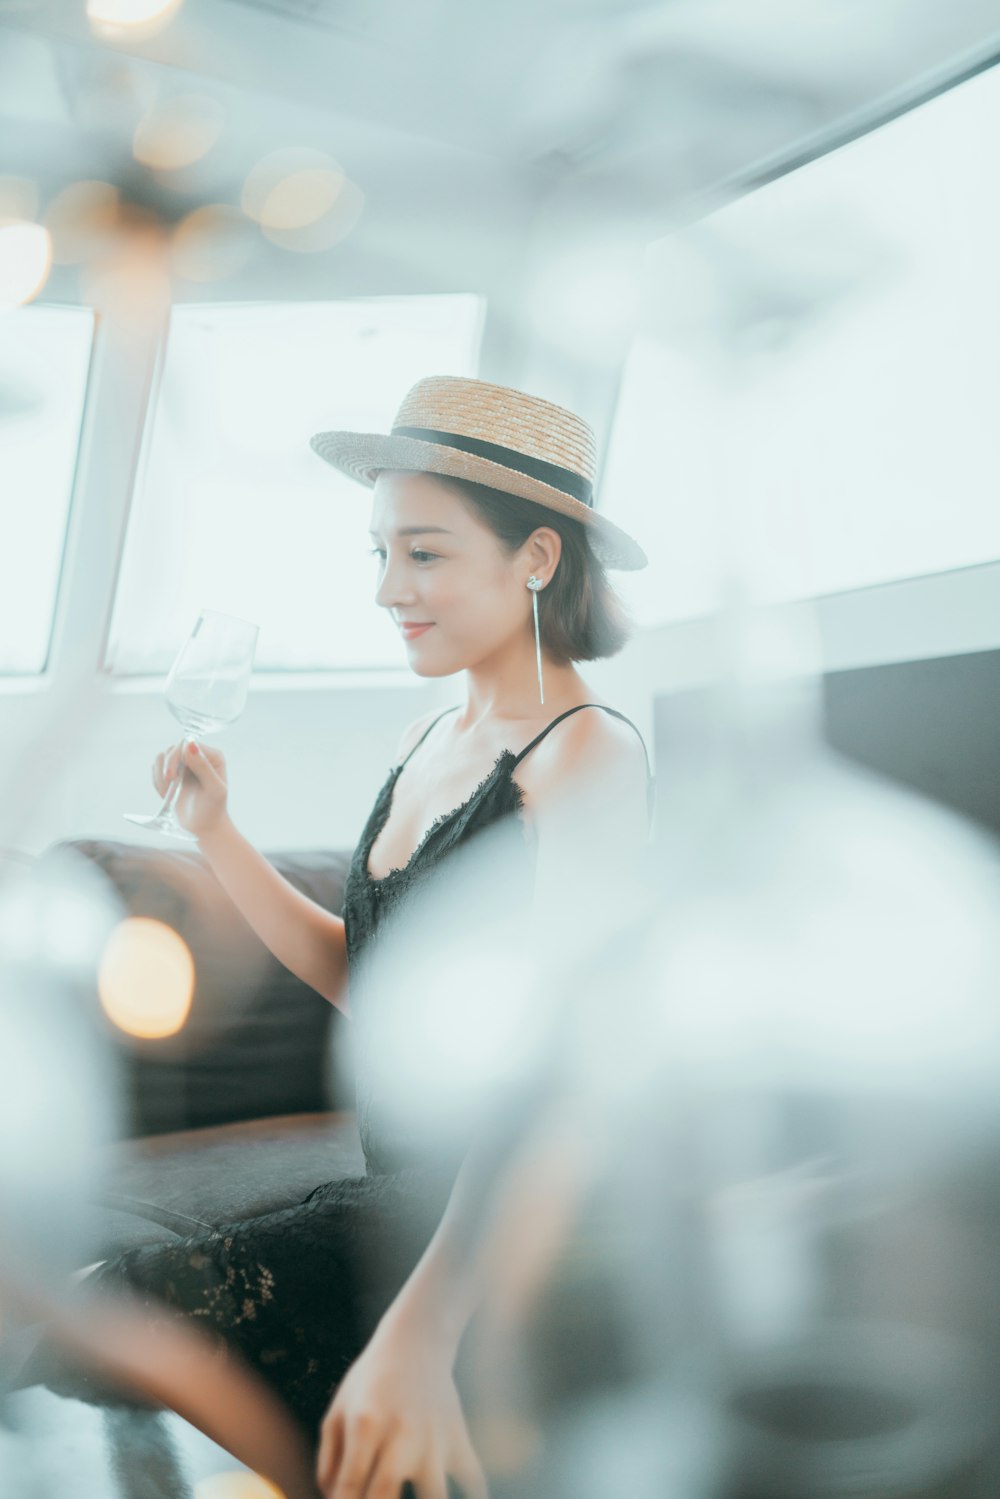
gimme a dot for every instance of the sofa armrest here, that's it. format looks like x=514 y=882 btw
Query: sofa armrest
x=169 y=1186
x=258 y=1041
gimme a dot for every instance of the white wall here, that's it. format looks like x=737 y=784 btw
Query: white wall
x=941 y=614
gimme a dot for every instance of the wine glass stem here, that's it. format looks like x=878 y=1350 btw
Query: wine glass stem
x=168 y=806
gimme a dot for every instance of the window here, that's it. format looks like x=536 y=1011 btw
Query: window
x=236 y=512
x=44 y=364
x=822 y=387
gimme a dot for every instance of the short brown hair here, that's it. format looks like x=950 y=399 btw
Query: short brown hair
x=580 y=617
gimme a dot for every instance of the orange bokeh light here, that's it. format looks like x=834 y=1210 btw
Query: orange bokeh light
x=211 y=243
x=82 y=219
x=178 y=132
x=302 y=199
x=236 y=1486
x=145 y=981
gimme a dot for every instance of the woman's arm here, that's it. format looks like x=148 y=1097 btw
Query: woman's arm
x=301 y=934
x=396 y=1414
x=306 y=938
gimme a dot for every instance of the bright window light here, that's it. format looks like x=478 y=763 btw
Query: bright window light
x=44 y=364
x=236 y=512
x=817 y=387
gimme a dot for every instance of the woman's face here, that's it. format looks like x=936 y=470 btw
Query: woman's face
x=439 y=565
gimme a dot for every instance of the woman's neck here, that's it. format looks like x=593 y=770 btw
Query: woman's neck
x=512 y=696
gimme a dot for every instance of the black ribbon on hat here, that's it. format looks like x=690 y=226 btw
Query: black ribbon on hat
x=564 y=479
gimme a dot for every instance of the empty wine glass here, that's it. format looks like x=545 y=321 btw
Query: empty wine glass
x=206 y=689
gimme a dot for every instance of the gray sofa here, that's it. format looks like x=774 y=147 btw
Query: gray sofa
x=251 y=1105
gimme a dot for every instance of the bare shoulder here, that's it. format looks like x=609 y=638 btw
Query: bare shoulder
x=591 y=753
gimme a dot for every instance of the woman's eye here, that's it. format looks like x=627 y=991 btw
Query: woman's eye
x=416 y=554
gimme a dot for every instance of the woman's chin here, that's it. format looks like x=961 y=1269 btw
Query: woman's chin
x=424 y=663
x=430 y=668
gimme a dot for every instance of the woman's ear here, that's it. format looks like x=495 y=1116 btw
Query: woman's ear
x=544 y=551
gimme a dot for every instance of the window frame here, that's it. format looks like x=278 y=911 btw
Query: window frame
x=14 y=681
x=266 y=678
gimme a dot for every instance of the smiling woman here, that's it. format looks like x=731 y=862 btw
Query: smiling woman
x=580 y=616
x=353 y=1303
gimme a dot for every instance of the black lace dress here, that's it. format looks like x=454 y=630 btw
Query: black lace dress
x=299 y=1292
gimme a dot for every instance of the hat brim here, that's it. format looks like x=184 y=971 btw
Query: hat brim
x=364 y=455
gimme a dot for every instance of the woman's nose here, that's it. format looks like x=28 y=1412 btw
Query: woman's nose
x=391 y=589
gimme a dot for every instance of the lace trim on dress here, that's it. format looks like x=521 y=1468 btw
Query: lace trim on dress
x=505 y=760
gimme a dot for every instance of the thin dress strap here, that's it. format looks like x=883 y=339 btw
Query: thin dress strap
x=427 y=731
x=650 y=778
x=539 y=737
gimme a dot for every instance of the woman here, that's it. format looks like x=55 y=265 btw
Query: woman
x=490 y=559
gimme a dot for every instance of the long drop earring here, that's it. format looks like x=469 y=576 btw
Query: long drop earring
x=535 y=584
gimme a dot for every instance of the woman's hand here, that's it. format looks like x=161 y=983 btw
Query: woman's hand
x=201 y=802
x=397 y=1416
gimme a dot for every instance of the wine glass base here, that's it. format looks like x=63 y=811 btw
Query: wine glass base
x=156 y=824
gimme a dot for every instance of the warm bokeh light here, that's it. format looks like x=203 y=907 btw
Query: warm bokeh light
x=291 y=188
x=81 y=220
x=178 y=132
x=146 y=978
x=211 y=243
x=135 y=18
x=327 y=230
x=236 y=1486
x=25 y=262
x=301 y=199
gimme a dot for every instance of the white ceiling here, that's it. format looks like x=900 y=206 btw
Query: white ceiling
x=474 y=128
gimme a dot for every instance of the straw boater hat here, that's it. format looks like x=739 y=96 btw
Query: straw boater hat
x=491 y=435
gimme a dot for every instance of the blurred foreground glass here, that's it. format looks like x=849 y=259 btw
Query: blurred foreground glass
x=44 y=365
x=206 y=690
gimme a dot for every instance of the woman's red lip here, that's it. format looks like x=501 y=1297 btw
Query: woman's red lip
x=415 y=629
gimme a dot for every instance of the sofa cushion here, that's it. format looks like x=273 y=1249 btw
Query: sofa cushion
x=257 y=1041
x=169 y=1186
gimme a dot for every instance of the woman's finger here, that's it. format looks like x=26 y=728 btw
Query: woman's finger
x=198 y=763
x=359 y=1457
x=432 y=1484
x=331 y=1446
x=397 y=1475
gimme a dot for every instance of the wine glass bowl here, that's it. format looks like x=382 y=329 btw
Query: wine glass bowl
x=206 y=689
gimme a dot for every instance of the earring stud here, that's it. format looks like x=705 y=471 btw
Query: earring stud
x=535 y=584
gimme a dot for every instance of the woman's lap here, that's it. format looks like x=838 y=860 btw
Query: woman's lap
x=296 y=1292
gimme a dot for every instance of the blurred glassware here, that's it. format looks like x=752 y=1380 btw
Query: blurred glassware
x=206 y=690
x=59 y=1094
